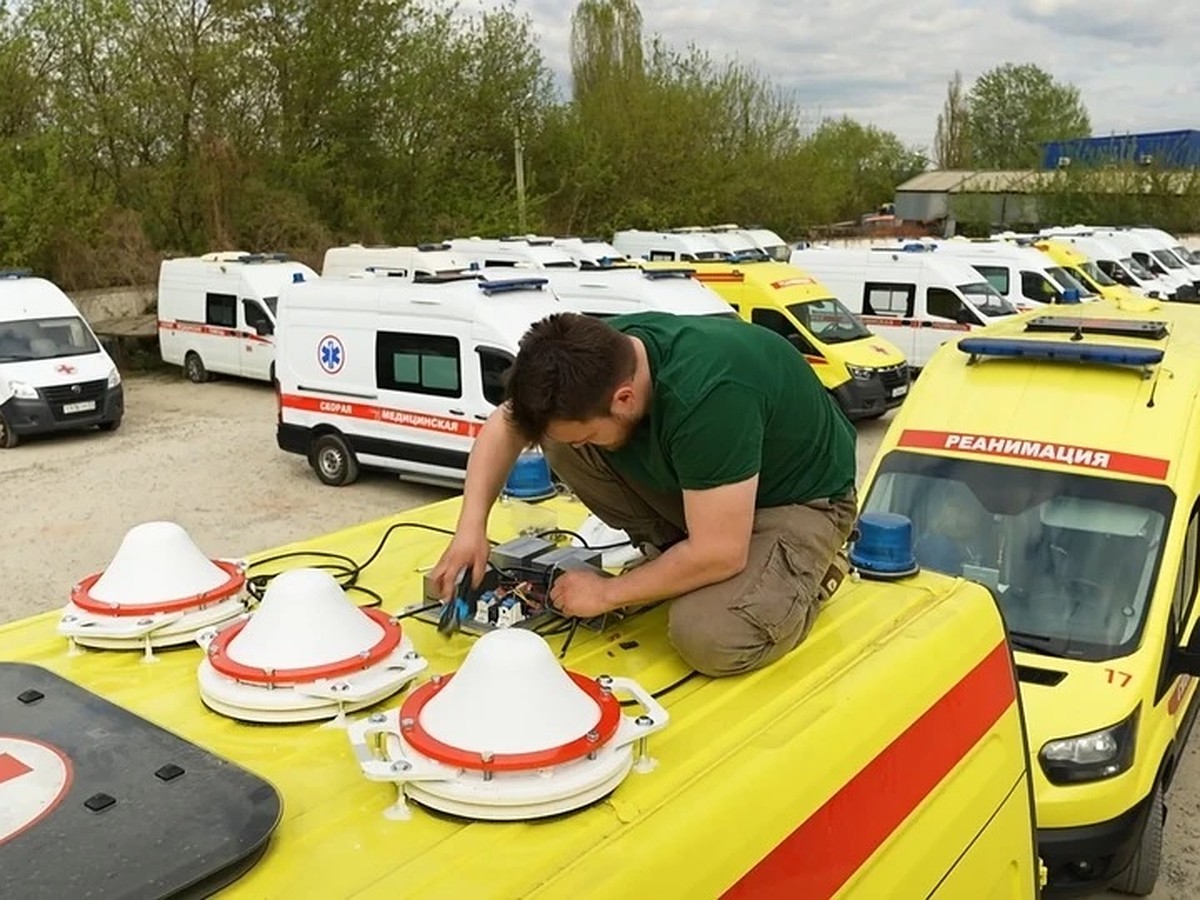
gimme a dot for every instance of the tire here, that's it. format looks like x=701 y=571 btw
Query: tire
x=1139 y=879
x=333 y=460
x=112 y=425
x=8 y=437
x=193 y=368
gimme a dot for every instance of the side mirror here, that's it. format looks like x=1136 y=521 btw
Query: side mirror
x=964 y=317
x=263 y=329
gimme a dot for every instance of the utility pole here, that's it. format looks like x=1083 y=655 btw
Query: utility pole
x=519 y=155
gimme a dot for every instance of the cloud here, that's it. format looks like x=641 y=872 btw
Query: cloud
x=887 y=64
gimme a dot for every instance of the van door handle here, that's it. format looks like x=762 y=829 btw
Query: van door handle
x=480 y=418
x=456 y=412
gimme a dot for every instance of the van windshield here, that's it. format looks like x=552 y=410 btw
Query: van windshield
x=1068 y=282
x=987 y=299
x=1140 y=272
x=1167 y=258
x=1070 y=558
x=829 y=321
x=1094 y=272
x=45 y=339
x=1188 y=256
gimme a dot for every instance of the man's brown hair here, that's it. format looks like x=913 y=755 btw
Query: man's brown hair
x=567 y=369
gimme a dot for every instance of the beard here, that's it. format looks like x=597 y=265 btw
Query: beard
x=626 y=425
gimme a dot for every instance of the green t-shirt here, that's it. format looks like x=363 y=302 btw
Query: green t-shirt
x=732 y=399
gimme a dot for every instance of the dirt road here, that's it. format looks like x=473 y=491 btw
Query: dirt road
x=205 y=456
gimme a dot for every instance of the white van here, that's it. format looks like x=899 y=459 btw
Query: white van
x=1166 y=248
x=397 y=262
x=1165 y=268
x=216 y=313
x=680 y=245
x=763 y=239
x=1115 y=262
x=397 y=375
x=529 y=252
x=54 y=375
x=911 y=296
x=589 y=252
x=613 y=290
x=1027 y=277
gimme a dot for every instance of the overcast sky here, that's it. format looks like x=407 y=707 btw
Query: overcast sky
x=887 y=63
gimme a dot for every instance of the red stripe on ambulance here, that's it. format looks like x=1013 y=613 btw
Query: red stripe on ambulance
x=212 y=331
x=1047 y=451
x=825 y=851
x=403 y=417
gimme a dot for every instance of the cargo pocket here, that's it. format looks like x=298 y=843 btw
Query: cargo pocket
x=780 y=601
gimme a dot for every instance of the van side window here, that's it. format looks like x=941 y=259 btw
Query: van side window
x=422 y=363
x=493 y=364
x=777 y=322
x=882 y=299
x=997 y=277
x=1185 y=583
x=945 y=304
x=661 y=255
x=220 y=310
x=256 y=318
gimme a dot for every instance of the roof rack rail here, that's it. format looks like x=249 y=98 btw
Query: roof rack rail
x=512 y=284
x=1067 y=351
x=445 y=277
x=16 y=273
x=439 y=245
x=1150 y=329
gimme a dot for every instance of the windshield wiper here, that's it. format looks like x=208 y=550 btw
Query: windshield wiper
x=1041 y=644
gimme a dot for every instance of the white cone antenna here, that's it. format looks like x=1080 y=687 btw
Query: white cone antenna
x=159 y=590
x=307 y=653
x=511 y=735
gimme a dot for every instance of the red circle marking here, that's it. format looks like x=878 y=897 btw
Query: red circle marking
x=426 y=744
x=218 y=656
x=17 y=767
x=81 y=596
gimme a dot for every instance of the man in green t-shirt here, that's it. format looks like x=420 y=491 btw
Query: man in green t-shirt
x=712 y=443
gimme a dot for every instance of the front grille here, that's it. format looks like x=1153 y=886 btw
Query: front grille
x=80 y=392
x=894 y=376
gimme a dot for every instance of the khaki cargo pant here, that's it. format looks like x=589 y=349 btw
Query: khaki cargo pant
x=758 y=615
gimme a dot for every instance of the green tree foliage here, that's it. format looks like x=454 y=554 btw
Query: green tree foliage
x=1015 y=107
x=130 y=129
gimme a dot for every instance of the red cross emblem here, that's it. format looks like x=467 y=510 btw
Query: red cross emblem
x=65 y=369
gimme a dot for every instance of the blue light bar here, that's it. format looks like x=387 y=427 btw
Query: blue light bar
x=1078 y=351
x=512 y=284
x=681 y=272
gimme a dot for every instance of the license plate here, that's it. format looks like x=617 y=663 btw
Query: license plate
x=84 y=406
x=900 y=391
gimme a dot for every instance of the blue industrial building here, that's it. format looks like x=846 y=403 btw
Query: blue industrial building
x=1160 y=149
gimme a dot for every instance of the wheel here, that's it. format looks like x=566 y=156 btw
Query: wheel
x=193 y=367
x=8 y=437
x=112 y=425
x=333 y=460
x=1140 y=877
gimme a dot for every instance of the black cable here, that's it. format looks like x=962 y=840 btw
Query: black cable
x=570 y=637
x=566 y=531
x=662 y=692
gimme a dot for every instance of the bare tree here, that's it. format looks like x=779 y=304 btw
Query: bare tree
x=606 y=45
x=951 y=141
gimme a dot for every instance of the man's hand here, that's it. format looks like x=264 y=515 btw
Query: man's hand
x=581 y=593
x=468 y=550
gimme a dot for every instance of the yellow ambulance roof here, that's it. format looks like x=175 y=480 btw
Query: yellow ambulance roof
x=784 y=282
x=1005 y=405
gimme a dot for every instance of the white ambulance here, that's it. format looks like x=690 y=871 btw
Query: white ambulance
x=690 y=244
x=216 y=313
x=1114 y=261
x=1027 y=277
x=422 y=260
x=384 y=373
x=526 y=252
x=910 y=295
x=589 y=252
x=54 y=375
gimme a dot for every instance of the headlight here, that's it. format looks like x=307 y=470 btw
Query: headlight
x=1090 y=757
x=862 y=374
x=23 y=391
x=114 y=378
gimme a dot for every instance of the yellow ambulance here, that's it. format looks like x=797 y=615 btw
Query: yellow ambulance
x=865 y=373
x=884 y=757
x=1052 y=457
x=1084 y=270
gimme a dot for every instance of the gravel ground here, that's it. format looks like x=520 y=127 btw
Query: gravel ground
x=205 y=456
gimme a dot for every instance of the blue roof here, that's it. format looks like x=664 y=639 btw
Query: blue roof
x=1163 y=149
